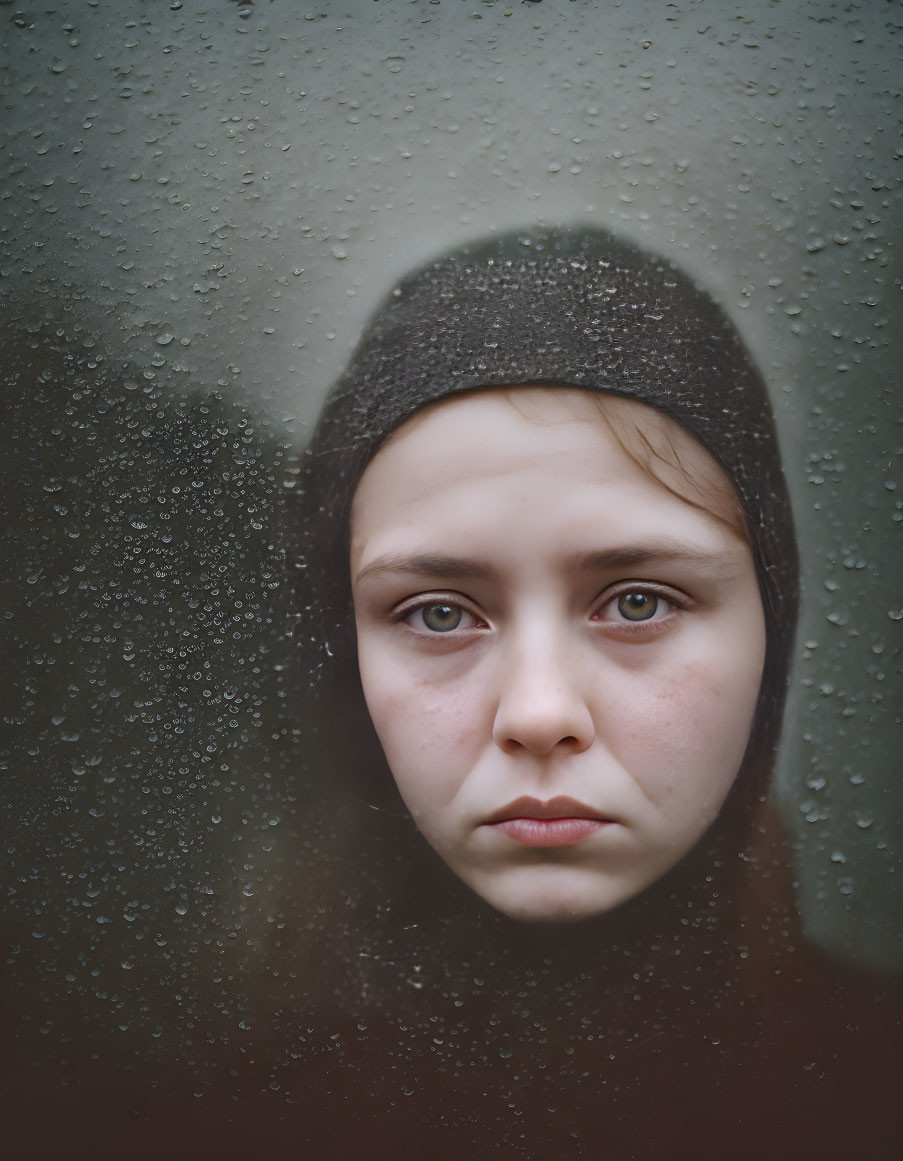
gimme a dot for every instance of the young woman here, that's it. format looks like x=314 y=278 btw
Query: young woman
x=548 y=594
x=571 y=345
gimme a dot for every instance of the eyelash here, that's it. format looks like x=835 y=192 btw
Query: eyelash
x=671 y=597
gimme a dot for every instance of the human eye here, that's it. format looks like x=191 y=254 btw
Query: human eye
x=639 y=606
x=435 y=616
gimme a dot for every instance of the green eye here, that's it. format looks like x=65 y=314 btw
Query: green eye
x=638 y=606
x=441 y=618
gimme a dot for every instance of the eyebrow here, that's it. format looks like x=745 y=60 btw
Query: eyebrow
x=654 y=552
x=658 y=551
x=427 y=564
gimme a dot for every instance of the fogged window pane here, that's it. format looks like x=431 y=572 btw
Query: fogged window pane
x=214 y=933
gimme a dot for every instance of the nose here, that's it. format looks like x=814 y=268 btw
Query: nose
x=540 y=704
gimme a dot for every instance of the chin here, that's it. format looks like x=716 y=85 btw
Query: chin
x=551 y=896
x=561 y=913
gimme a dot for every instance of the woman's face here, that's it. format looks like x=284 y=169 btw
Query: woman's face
x=561 y=657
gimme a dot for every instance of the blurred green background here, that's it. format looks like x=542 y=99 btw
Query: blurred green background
x=202 y=204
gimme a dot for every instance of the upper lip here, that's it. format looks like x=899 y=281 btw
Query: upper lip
x=561 y=807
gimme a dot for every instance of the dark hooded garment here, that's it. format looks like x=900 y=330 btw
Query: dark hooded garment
x=695 y=1021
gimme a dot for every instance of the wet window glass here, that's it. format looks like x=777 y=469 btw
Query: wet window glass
x=241 y=918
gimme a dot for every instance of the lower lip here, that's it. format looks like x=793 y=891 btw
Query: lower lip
x=549 y=832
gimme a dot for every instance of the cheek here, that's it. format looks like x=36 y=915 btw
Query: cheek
x=684 y=739
x=430 y=734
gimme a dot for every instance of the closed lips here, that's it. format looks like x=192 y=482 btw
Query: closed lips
x=554 y=808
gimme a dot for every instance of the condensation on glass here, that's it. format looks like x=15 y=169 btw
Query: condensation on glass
x=202 y=204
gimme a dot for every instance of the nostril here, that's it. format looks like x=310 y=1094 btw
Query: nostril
x=541 y=742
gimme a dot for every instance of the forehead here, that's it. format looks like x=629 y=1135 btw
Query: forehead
x=547 y=454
